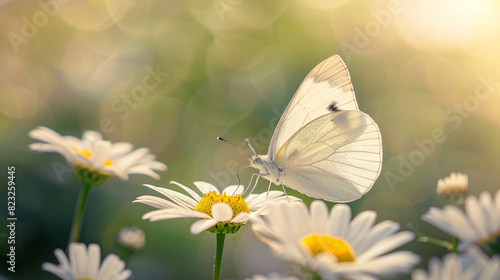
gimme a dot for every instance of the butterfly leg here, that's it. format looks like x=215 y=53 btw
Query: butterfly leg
x=268 y=189
x=256 y=181
x=249 y=184
x=283 y=186
x=287 y=199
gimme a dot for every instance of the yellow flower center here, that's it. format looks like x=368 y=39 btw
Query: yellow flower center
x=86 y=153
x=319 y=243
x=237 y=203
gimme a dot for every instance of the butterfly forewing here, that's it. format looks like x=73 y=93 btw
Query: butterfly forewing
x=325 y=89
x=336 y=157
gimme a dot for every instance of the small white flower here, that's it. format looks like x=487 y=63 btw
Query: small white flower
x=453 y=189
x=332 y=245
x=272 y=276
x=84 y=263
x=473 y=265
x=132 y=238
x=221 y=213
x=479 y=223
x=93 y=154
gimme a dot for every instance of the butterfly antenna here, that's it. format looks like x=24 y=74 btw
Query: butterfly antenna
x=225 y=141
x=250 y=145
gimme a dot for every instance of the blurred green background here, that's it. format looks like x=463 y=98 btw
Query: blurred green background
x=421 y=69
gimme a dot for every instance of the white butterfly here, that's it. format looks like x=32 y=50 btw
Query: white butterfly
x=324 y=146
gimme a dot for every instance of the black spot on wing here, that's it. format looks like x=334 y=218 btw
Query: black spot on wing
x=333 y=107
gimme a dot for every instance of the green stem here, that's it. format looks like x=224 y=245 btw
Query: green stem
x=316 y=276
x=76 y=227
x=124 y=254
x=218 y=255
x=438 y=242
x=452 y=246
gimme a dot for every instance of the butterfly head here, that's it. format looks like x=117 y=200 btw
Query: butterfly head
x=255 y=161
x=259 y=162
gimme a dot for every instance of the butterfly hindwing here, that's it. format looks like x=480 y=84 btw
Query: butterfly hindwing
x=336 y=157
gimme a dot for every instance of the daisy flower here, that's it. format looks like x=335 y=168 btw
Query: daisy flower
x=95 y=159
x=272 y=276
x=474 y=265
x=452 y=267
x=489 y=268
x=453 y=189
x=332 y=245
x=84 y=263
x=217 y=212
x=132 y=238
x=478 y=224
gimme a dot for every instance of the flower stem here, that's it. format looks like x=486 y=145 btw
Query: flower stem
x=316 y=276
x=124 y=254
x=452 y=246
x=76 y=227
x=218 y=255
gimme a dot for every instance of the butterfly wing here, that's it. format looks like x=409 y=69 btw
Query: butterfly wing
x=325 y=89
x=336 y=157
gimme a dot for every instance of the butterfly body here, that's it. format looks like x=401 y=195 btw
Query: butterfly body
x=269 y=169
x=323 y=146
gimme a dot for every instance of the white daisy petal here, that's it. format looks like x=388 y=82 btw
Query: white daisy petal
x=130 y=158
x=109 y=266
x=320 y=213
x=205 y=187
x=242 y=217
x=391 y=264
x=386 y=245
x=487 y=210
x=145 y=170
x=121 y=148
x=61 y=257
x=359 y=227
x=257 y=201
x=85 y=263
x=157 y=202
x=56 y=270
x=377 y=233
x=340 y=217
x=192 y=193
x=49 y=148
x=222 y=212
x=91 y=136
x=201 y=225
x=176 y=197
x=100 y=153
x=233 y=190
x=120 y=173
x=48 y=135
x=94 y=258
x=167 y=214
x=78 y=259
x=468 y=266
x=476 y=216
